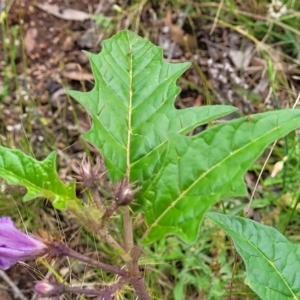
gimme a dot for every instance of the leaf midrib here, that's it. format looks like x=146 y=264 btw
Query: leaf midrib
x=196 y=123
x=262 y=254
x=200 y=178
x=129 y=129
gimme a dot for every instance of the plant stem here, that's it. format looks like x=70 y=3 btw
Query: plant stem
x=104 y=294
x=64 y=250
x=129 y=254
x=133 y=268
x=97 y=228
x=109 y=212
x=128 y=230
x=97 y=199
x=139 y=287
x=104 y=233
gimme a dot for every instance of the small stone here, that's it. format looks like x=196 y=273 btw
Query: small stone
x=68 y=44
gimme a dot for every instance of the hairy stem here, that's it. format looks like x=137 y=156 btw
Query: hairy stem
x=104 y=294
x=128 y=230
x=104 y=233
x=97 y=199
x=61 y=249
x=109 y=212
x=139 y=287
x=97 y=228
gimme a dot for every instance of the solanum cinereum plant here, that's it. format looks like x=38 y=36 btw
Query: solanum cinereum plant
x=158 y=169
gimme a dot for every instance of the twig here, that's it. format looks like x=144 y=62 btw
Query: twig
x=59 y=249
x=16 y=291
x=99 y=7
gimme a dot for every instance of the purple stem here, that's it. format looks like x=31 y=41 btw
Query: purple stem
x=60 y=249
x=139 y=287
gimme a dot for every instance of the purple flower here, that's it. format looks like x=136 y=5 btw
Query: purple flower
x=16 y=245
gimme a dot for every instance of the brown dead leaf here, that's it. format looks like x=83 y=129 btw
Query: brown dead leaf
x=30 y=39
x=178 y=35
x=64 y=13
x=75 y=75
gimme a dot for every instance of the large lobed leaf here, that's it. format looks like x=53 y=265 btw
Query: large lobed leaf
x=132 y=106
x=39 y=177
x=200 y=170
x=141 y=135
x=272 y=261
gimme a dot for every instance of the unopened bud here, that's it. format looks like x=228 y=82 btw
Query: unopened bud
x=87 y=174
x=125 y=192
x=49 y=289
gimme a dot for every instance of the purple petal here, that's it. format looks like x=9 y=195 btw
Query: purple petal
x=16 y=245
x=6 y=221
x=8 y=257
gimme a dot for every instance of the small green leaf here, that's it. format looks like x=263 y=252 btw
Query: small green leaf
x=200 y=170
x=38 y=177
x=272 y=261
x=132 y=106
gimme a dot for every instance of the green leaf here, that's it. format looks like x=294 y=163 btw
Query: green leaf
x=39 y=177
x=200 y=170
x=132 y=106
x=272 y=261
